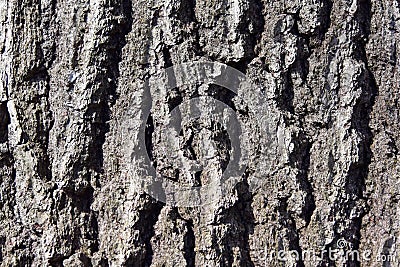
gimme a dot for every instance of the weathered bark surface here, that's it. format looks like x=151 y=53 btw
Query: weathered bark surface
x=328 y=73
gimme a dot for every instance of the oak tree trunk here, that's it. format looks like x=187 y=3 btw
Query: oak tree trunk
x=327 y=84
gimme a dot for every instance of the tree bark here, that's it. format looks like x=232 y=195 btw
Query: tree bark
x=326 y=146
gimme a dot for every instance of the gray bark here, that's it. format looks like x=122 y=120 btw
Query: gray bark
x=327 y=88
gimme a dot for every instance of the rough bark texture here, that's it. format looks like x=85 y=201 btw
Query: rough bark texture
x=329 y=76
